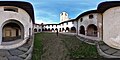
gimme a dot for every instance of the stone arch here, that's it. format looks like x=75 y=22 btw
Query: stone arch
x=73 y=29
x=63 y=29
x=48 y=29
x=82 y=30
x=56 y=29
x=45 y=29
x=39 y=30
x=52 y=28
x=92 y=30
x=12 y=30
x=35 y=30
x=60 y=29
x=67 y=29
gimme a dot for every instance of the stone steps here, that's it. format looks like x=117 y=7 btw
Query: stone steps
x=107 y=51
x=89 y=41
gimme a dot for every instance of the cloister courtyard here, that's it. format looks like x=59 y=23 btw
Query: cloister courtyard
x=49 y=46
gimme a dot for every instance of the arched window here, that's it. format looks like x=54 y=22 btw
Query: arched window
x=91 y=16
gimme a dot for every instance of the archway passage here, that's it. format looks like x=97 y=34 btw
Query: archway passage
x=35 y=30
x=48 y=29
x=63 y=29
x=39 y=30
x=60 y=30
x=52 y=28
x=82 y=30
x=92 y=30
x=73 y=30
x=67 y=29
x=45 y=29
x=56 y=29
x=12 y=31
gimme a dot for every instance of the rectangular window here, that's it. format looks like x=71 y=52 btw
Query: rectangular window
x=10 y=9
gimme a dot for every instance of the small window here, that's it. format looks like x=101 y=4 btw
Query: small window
x=90 y=16
x=52 y=25
x=81 y=19
x=56 y=25
x=62 y=13
x=10 y=9
x=65 y=14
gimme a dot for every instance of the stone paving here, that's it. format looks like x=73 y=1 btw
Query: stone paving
x=19 y=53
x=107 y=51
x=103 y=49
x=89 y=41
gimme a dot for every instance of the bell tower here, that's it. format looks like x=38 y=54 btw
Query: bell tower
x=64 y=17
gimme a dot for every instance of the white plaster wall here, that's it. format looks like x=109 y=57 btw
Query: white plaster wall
x=86 y=21
x=111 y=27
x=22 y=16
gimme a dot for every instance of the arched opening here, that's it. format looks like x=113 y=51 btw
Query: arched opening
x=48 y=29
x=45 y=29
x=56 y=29
x=39 y=30
x=82 y=30
x=92 y=30
x=35 y=30
x=73 y=30
x=60 y=30
x=67 y=29
x=52 y=29
x=63 y=29
x=12 y=30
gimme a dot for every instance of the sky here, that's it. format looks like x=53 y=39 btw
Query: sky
x=48 y=11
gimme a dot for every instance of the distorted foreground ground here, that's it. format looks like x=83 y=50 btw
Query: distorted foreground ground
x=49 y=46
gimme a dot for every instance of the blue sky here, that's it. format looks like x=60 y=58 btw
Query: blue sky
x=47 y=11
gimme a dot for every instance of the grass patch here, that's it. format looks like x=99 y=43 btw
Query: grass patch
x=78 y=49
x=38 y=47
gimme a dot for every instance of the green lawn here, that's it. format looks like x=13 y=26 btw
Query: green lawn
x=37 y=50
x=76 y=48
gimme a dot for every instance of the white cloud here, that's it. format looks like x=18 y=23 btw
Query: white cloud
x=46 y=22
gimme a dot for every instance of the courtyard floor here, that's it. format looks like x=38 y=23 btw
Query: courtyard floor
x=49 y=46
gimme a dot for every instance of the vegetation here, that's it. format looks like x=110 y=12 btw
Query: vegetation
x=78 y=49
x=38 y=47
